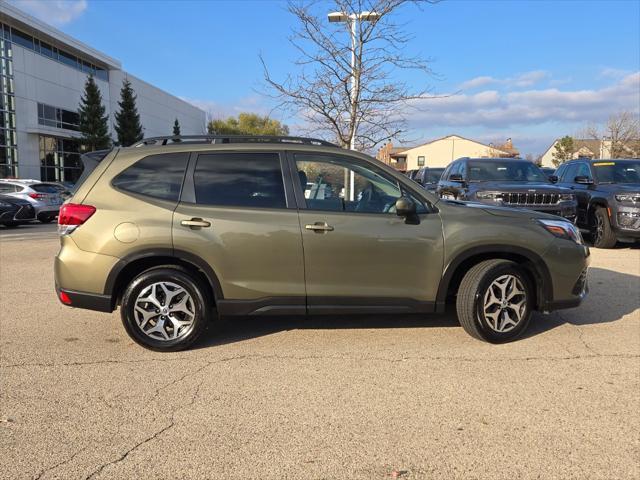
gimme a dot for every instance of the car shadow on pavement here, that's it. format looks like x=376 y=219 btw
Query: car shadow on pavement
x=236 y=329
x=592 y=311
x=622 y=298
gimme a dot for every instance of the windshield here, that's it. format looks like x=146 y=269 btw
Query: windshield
x=505 y=170
x=433 y=175
x=617 y=172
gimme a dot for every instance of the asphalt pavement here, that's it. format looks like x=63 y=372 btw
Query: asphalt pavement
x=323 y=398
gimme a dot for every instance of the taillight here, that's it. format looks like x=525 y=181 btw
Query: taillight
x=72 y=215
x=38 y=196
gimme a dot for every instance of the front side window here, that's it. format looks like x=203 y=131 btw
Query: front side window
x=251 y=180
x=157 y=176
x=336 y=184
x=570 y=173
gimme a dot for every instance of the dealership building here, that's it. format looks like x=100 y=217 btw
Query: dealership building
x=42 y=78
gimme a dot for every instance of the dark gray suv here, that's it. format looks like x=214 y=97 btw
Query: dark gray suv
x=608 y=193
x=508 y=182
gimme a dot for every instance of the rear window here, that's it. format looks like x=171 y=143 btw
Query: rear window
x=239 y=180
x=157 y=176
x=43 y=188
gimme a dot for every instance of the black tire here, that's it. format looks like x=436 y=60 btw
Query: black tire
x=470 y=300
x=46 y=218
x=202 y=307
x=603 y=235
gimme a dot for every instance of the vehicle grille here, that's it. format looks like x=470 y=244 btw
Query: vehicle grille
x=530 y=199
x=26 y=212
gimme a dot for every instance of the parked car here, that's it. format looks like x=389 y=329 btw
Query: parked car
x=608 y=193
x=411 y=173
x=15 y=211
x=428 y=177
x=177 y=233
x=548 y=171
x=44 y=198
x=509 y=182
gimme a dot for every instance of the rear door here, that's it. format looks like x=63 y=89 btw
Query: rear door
x=238 y=214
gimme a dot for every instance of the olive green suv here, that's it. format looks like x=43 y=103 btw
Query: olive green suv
x=179 y=231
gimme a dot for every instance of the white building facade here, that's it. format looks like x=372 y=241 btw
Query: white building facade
x=42 y=78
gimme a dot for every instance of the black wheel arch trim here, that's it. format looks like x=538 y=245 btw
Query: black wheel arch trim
x=544 y=283
x=183 y=256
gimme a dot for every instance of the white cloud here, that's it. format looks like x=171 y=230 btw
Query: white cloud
x=493 y=109
x=477 y=82
x=526 y=79
x=54 y=12
x=221 y=110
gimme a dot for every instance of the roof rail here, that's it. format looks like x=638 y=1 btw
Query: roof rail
x=217 y=139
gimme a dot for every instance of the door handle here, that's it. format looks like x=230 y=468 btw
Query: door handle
x=319 y=227
x=195 y=222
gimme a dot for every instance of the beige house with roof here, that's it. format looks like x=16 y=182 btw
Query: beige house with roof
x=441 y=152
x=584 y=148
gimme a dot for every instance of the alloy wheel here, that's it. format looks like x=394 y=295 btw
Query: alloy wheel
x=505 y=303
x=164 y=311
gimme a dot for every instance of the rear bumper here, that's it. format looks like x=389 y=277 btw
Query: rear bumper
x=88 y=301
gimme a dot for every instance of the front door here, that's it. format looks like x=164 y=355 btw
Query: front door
x=358 y=252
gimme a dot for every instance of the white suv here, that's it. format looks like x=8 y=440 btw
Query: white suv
x=45 y=199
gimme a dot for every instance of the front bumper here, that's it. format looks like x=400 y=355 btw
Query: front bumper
x=22 y=214
x=568 y=265
x=626 y=222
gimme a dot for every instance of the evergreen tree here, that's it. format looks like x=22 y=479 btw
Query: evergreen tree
x=176 y=128
x=128 y=125
x=93 y=121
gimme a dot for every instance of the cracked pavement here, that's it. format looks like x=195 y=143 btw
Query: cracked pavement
x=350 y=397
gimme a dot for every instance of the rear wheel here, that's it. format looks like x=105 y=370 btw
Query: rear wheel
x=603 y=235
x=165 y=309
x=494 y=301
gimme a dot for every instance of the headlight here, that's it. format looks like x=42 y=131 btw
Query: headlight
x=628 y=197
x=562 y=229
x=567 y=196
x=496 y=196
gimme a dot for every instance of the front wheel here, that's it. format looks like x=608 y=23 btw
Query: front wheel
x=603 y=235
x=165 y=309
x=494 y=301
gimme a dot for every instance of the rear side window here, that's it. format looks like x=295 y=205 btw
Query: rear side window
x=157 y=176
x=239 y=180
x=7 y=188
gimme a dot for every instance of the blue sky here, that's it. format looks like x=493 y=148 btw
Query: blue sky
x=530 y=70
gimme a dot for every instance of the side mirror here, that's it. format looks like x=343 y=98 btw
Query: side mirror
x=406 y=208
x=553 y=178
x=583 y=180
x=456 y=177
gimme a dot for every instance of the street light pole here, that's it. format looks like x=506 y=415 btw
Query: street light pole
x=352 y=19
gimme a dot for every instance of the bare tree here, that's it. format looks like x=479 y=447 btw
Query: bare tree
x=621 y=134
x=365 y=104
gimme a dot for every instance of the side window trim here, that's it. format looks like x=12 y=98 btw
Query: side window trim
x=301 y=200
